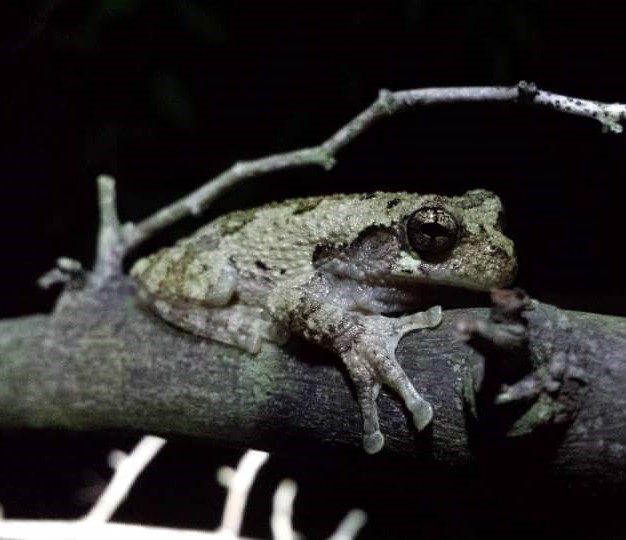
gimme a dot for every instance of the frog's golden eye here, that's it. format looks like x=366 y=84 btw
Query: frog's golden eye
x=432 y=230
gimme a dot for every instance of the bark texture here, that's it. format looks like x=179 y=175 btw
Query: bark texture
x=101 y=361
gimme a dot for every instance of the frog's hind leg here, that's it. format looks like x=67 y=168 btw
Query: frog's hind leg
x=181 y=274
x=245 y=327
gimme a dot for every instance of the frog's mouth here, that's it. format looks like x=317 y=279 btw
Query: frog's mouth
x=410 y=295
x=418 y=296
x=429 y=294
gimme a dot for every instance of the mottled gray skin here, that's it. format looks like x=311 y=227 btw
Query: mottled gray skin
x=325 y=269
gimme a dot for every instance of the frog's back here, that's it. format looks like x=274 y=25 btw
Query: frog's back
x=255 y=249
x=278 y=240
x=291 y=214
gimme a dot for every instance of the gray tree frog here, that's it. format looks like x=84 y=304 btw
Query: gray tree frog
x=332 y=270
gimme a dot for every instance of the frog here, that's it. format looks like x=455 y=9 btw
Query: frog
x=352 y=273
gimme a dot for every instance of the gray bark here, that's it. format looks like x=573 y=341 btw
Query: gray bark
x=101 y=361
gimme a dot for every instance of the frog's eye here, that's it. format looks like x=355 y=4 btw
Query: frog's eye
x=432 y=230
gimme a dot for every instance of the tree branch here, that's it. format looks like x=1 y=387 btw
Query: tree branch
x=100 y=362
x=387 y=104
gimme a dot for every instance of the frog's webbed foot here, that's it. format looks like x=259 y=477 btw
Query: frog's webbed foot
x=371 y=362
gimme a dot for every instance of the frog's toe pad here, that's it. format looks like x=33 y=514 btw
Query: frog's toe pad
x=373 y=442
x=431 y=318
x=422 y=413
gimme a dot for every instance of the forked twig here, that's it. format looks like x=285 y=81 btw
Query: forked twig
x=127 y=469
x=239 y=484
x=387 y=104
x=95 y=525
x=116 y=241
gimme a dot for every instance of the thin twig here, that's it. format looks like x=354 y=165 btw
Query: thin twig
x=115 y=241
x=111 y=244
x=66 y=271
x=387 y=104
x=126 y=472
x=282 y=511
x=350 y=526
x=238 y=490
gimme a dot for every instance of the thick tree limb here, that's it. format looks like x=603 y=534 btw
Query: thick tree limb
x=101 y=362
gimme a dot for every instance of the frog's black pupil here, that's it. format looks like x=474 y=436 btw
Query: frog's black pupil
x=432 y=230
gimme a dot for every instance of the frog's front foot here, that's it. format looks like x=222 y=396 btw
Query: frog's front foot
x=371 y=362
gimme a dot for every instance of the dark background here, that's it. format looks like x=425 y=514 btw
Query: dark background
x=165 y=94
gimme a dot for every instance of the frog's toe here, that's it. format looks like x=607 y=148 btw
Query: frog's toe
x=430 y=318
x=367 y=389
x=392 y=374
x=419 y=408
x=249 y=342
x=373 y=442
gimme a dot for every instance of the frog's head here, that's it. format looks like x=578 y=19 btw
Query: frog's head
x=455 y=241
